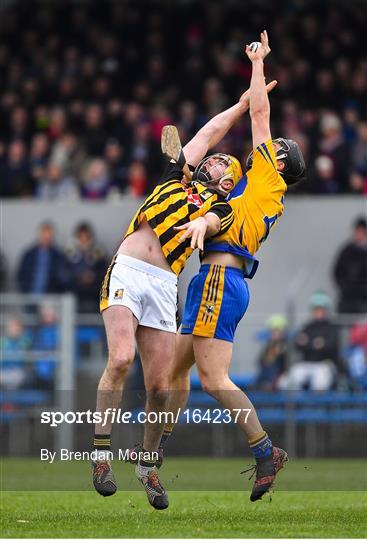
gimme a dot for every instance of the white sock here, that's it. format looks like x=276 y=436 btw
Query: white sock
x=144 y=470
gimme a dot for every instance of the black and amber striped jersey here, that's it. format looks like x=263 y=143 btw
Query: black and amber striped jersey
x=172 y=204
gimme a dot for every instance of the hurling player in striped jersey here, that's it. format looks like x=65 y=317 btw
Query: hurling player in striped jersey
x=218 y=296
x=139 y=296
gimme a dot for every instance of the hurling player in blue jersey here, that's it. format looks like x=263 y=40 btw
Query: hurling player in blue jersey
x=218 y=296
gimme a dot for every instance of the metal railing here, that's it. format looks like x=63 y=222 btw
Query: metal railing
x=26 y=307
x=67 y=366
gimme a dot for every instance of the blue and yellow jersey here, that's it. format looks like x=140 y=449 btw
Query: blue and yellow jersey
x=257 y=202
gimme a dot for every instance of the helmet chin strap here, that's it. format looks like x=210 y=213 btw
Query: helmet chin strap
x=218 y=183
x=218 y=186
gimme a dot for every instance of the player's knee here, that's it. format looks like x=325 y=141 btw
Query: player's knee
x=214 y=383
x=158 y=396
x=119 y=362
x=208 y=383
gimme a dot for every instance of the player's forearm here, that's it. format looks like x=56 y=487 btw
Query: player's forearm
x=259 y=101
x=210 y=134
x=218 y=127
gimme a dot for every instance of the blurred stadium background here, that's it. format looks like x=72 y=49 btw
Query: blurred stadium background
x=85 y=88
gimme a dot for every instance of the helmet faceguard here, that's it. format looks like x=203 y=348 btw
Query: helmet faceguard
x=213 y=170
x=290 y=153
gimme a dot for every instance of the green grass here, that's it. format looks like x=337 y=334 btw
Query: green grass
x=188 y=474
x=204 y=514
x=192 y=514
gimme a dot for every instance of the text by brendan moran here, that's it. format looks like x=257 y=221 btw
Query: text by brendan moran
x=64 y=454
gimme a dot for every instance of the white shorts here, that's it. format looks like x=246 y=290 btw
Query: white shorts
x=148 y=291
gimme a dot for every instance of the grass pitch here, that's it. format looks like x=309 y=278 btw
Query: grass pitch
x=201 y=513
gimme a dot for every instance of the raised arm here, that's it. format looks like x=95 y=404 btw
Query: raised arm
x=259 y=101
x=214 y=130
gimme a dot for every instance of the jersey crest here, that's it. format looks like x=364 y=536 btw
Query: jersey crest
x=194 y=198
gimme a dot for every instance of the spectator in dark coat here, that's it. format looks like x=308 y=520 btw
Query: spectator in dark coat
x=114 y=157
x=318 y=345
x=350 y=271
x=43 y=267
x=88 y=266
x=15 y=174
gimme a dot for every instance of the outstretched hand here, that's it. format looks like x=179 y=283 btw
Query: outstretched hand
x=246 y=95
x=262 y=51
x=195 y=229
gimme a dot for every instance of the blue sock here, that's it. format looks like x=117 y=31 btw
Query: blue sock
x=261 y=447
x=166 y=435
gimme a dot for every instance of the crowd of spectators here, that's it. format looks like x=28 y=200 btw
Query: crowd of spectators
x=86 y=88
x=321 y=355
x=325 y=352
x=45 y=268
x=18 y=371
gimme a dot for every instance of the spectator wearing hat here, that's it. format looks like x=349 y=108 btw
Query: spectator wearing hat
x=325 y=181
x=350 y=271
x=318 y=346
x=15 y=343
x=273 y=357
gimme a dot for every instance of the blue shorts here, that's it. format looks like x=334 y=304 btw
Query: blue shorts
x=217 y=299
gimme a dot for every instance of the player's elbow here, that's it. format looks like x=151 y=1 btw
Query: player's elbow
x=213 y=224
